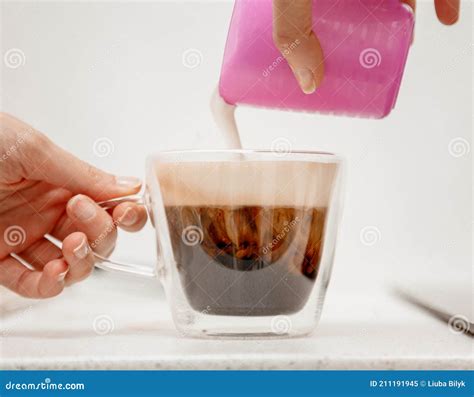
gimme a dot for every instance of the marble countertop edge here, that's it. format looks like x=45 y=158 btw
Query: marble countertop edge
x=234 y=363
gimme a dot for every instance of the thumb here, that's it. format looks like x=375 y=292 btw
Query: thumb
x=447 y=11
x=50 y=163
x=293 y=36
x=306 y=61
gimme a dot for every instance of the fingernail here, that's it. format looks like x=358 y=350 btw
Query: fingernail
x=83 y=208
x=128 y=182
x=128 y=218
x=306 y=80
x=62 y=276
x=81 y=251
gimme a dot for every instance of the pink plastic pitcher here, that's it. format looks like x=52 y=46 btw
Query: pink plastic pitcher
x=365 y=45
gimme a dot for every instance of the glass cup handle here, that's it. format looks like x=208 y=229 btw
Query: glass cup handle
x=113 y=265
x=112 y=203
x=122 y=267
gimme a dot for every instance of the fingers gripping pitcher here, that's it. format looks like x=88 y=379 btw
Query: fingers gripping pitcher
x=365 y=45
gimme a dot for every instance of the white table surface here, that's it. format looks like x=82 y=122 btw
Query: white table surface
x=358 y=330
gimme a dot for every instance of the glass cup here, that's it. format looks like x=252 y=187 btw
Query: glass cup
x=245 y=238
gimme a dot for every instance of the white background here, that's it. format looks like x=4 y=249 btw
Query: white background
x=115 y=70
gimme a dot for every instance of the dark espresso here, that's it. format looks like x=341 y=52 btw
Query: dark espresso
x=247 y=260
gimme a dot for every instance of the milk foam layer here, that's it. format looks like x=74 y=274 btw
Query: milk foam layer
x=239 y=183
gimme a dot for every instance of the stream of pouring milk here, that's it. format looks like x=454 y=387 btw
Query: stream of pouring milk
x=224 y=117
